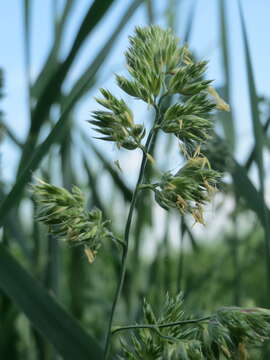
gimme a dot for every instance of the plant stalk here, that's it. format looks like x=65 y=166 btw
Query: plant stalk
x=160 y=326
x=148 y=144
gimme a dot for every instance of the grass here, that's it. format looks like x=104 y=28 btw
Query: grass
x=65 y=302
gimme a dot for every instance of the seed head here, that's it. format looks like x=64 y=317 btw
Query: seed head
x=64 y=213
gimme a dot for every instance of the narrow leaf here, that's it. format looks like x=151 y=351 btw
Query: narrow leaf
x=246 y=190
x=47 y=316
x=190 y=22
x=87 y=79
x=52 y=59
x=51 y=91
x=259 y=143
x=253 y=99
x=226 y=117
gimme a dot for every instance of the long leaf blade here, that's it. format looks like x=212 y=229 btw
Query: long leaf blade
x=87 y=79
x=52 y=89
x=259 y=143
x=47 y=316
x=50 y=63
x=226 y=117
x=253 y=99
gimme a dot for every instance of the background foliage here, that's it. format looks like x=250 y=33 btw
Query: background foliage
x=52 y=302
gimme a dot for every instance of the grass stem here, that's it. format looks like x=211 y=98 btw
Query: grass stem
x=148 y=144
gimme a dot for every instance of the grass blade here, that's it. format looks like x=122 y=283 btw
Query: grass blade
x=42 y=150
x=150 y=12
x=51 y=91
x=246 y=190
x=190 y=22
x=253 y=100
x=66 y=153
x=11 y=135
x=252 y=154
x=167 y=263
x=181 y=256
x=47 y=316
x=52 y=59
x=226 y=117
x=26 y=22
x=14 y=230
x=259 y=143
x=87 y=79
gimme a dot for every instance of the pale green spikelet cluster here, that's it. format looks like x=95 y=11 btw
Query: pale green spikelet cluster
x=149 y=344
x=64 y=212
x=189 y=189
x=157 y=64
x=226 y=334
x=159 y=68
x=153 y=53
x=186 y=79
x=190 y=121
x=116 y=123
x=251 y=325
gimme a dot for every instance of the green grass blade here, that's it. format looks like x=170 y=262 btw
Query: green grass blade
x=87 y=79
x=246 y=190
x=9 y=333
x=190 y=22
x=181 y=258
x=66 y=152
x=11 y=135
x=26 y=23
x=47 y=316
x=95 y=13
x=52 y=59
x=55 y=135
x=150 y=12
x=51 y=91
x=167 y=262
x=41 y=151
x=77 y=288
x=15 y=193
x=259 y=143
x=14 y=230
x=226 y=117
x=253 y=100
x=252 y=154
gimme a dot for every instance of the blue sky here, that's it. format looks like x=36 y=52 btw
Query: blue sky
x=204 y=41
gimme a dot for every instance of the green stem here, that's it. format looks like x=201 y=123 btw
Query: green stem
x=127 y=231
x=160 y=326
